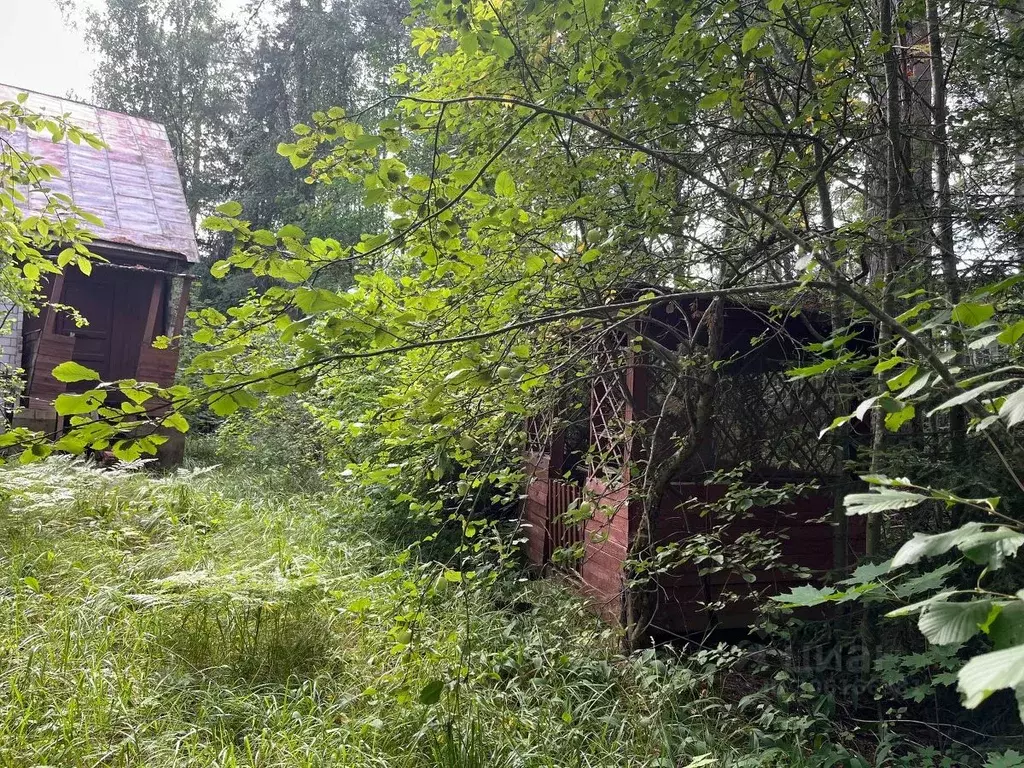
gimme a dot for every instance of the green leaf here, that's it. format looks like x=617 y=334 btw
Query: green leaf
x=622 y=39
x=220 y=268
x=713 y=99
x=137 y=396
x=245 y=399
x=971 y=394
x=223 y=405
x=889 y=362
x=375 y=196
x=976 y=540
x=127 y=450
x=945 y=623
x=926 y=582
x=264 y=237
x=818 y=368
x=1007 y=629
x=901 y=380
x=366 y=141
x=292 y=231
x=431 y=693
x=1012 y=409
x=231 y=208
x=751 y=38
x=71 y=371
x=534 y=264
x=880 y=500
x=867 y=573
x=972 y=314
x=472 y=258
x=821 y=10
x=505 y=185
x=1011 y=758
x=35 y=452
x=917 y=607
x=916 y=385
x=314 y=300
x=1012 y=333
x=990 y=672
x=469 y=42
x=806 y=595
x=204 y=335
x=504 y=47
x=292 y=270
x=68 y=404
x=838 y=421
x=893 y=421
x=991 y=548
x=176 y=421
x=594 y=8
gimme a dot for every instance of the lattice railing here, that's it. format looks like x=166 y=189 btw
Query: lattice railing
x=773 y=422
x=539 y=432
x=610 y=415
x=641 y=410
x=670 y=412
x=762 y=418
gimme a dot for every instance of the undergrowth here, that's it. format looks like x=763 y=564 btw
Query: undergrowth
x=213 y=617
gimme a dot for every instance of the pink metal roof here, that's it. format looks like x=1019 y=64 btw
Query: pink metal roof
x=133 y=186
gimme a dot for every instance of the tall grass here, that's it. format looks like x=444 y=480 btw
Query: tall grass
x=210 y=618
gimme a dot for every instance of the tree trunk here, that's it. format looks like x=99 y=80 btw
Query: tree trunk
x=943 y=213
x=638 y=607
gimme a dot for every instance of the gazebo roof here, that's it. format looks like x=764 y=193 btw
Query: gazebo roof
x=133 y=185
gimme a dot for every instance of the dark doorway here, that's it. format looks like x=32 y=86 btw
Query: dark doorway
x=116 y=305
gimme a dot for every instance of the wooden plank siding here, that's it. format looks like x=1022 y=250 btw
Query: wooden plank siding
x=680 y=596
x=805 y=539
x=607 y=546
x=157 y=365
x=48 y=351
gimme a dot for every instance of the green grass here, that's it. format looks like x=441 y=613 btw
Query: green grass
x=211 y=619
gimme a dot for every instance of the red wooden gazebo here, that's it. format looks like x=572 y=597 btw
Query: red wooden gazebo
x=764 y=421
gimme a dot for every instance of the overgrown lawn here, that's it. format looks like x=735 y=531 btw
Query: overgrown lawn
x=210 y=618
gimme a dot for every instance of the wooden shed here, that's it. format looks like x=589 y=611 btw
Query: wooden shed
x=765 y=424
x=147 y=239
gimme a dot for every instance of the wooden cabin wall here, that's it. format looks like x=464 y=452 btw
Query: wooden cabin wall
x=125 y=310
x=802 y=525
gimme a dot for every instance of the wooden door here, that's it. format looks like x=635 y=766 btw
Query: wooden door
x=116 y=304
x=93 y=298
